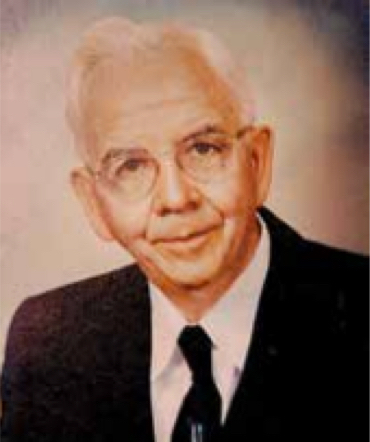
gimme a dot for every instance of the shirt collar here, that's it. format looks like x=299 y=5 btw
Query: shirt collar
x=167 y=323
x=229 y=323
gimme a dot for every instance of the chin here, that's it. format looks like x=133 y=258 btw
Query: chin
x=190 y=275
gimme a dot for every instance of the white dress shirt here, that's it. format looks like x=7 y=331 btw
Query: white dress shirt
x=229 y=325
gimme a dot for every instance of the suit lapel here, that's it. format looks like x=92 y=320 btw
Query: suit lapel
x=255 y=411
x=256 y=392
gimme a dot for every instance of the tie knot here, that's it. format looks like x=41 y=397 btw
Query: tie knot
x=196 y=346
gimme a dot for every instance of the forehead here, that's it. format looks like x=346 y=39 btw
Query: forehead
x=161 y=98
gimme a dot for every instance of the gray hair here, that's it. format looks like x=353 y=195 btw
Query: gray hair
x=119 y=37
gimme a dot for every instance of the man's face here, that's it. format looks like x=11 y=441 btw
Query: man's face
x=183 y=231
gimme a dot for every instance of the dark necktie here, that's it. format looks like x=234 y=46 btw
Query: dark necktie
x=199 y=418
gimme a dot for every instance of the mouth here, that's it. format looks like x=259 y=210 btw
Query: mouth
x=187 y=242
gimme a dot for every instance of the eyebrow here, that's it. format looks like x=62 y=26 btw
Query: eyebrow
x=205 y=130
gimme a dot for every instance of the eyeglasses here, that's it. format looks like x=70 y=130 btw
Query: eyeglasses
x=206 y=156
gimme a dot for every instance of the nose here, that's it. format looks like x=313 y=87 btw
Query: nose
x=173 y=192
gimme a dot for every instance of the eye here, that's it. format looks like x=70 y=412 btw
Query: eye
x=132 y=164
x=129 y=166
x=204 y=148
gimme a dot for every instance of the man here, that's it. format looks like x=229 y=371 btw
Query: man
x=231 y=326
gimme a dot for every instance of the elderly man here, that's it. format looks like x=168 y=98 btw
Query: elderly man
x=231 y=327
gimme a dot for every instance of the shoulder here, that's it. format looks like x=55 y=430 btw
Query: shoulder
x=327 y=285
x=311 y=261
x=321 y=291
x=335 y=279
x=70 y=352
x=102 y=289
x=48 y=321
x=334 y=262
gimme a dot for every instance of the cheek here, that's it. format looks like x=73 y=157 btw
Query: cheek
x=125 y=221
x=233 y=196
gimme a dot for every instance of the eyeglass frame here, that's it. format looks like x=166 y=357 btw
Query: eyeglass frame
x=101 y=175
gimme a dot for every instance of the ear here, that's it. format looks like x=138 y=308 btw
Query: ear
x=261 y=154
x=83 y=185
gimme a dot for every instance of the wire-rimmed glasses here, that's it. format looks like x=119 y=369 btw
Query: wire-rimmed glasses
x=205 y=156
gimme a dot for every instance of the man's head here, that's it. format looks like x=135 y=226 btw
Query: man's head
x=174 y=167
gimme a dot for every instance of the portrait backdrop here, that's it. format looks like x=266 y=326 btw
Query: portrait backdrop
x=307 y=68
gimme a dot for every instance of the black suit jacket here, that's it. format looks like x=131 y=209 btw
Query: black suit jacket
x=78 y=358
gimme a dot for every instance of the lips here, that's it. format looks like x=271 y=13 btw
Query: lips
x=192 y=240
